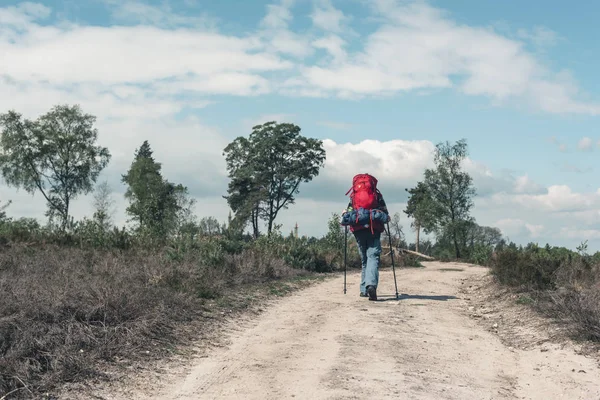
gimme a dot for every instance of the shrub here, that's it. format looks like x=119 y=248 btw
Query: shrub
x=580 y=307
x=22 y=230
x=411 y=261
x=533 y=267
x=565 y=284
x=481 y=255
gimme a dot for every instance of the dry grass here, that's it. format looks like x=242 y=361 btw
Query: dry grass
x=582 y=308
x=564 y=286
x=577 y=297
x=64 y=312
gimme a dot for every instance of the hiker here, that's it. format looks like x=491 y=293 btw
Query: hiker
x=366 y=216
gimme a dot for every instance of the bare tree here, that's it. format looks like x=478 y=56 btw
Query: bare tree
x=104 y=206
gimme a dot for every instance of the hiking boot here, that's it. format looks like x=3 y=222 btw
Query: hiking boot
x=372 y=292
x=363 y=294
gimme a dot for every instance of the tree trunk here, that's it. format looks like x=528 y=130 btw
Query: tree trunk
x=418 y=234
x=271 y=218
x=270 y=227
x=254 y=217
x=456 y=247
x=65 y=216
x=416 y=253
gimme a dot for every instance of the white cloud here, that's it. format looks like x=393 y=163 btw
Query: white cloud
x=415 y=47
x=121 y=101
x=558 y=198
x=232 y=83
x=586 y=217
x=516 y=227
x=580 y=234
x=420 y=47
x=400 y=164
x=487 y=182
x=510 y=226
x=397 y=160
x=287 y=42
x=21 y=15
x=534 y=230
x=334 y=45
x=524 y=185
x=574 y=168
x=325 y=16
x=278 y=15
x=65 y=56
x=585 y=144
x=539 y=36
x=397 y=164
x=544 y=217
x=137 y=11
x=276 y=33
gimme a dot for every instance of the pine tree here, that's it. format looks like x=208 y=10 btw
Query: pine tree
x=153 y=201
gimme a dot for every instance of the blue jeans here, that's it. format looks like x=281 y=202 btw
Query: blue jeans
x=369 y=248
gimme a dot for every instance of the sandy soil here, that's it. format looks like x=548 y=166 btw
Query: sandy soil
x=431 y=344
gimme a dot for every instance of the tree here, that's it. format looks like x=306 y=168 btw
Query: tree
x=210 y=226
x=185 y=218
x=396 y=231
x=3 y=216
x=335 y=232
x=451 y=189
x=267 y=168
x=154 y=202
x=421 y=208
x=472 y=238
x=245 y=194
x=56 y=155
x=104 y=206
x=486 y=236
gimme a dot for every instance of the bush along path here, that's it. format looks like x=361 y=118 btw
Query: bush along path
x=321 y=344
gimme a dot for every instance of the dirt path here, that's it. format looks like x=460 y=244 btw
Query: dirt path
x=322 y=344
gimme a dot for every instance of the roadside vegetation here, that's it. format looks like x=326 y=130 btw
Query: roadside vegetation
x=560 y=283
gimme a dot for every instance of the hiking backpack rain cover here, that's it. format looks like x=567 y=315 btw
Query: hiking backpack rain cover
x=364 y=194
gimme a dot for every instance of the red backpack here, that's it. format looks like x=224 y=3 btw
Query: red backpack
x=363 y=192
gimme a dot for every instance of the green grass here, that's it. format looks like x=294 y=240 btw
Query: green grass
x=524 y=299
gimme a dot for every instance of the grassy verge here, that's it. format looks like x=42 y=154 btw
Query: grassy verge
x=562 y=284
x=66 y=313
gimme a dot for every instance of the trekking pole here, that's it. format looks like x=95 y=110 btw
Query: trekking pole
x=392 y=255
x=345 y=254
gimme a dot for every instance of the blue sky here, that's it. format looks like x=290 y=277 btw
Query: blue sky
x=516 y=79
